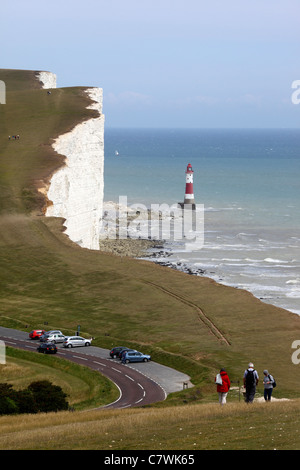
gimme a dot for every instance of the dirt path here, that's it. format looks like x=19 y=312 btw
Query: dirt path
x=201 y=315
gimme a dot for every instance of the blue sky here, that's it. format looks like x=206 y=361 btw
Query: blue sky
x=163 y=63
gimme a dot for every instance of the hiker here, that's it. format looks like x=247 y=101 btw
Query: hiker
x=222 y=388
x=250 y=382
x=268 y=385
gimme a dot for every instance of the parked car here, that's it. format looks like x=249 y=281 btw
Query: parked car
x=35 y=334
x=123 y=351
x=47 y=348
x=114 y=352
x=135 y=356
x=46 y=334
x=73 y=341
x=55 y=338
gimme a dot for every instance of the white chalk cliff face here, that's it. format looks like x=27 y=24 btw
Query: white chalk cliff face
x=76 y=189
x=48 y=79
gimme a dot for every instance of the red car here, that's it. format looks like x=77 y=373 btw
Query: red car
x=35 y=334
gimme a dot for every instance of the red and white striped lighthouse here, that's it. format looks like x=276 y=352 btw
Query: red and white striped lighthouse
x=189 y=189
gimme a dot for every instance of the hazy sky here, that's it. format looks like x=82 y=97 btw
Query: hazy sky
x=165 y=63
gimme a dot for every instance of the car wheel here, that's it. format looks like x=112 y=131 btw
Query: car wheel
x=70 y=346
x=87 y=344
x=145 y=359
x=127 y=361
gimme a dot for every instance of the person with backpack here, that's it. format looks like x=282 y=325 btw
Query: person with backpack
x=250 y=382
x=223 y=386
x=269 y=384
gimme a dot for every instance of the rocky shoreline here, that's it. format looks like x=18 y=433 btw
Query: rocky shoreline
x=134 y=247
x=147 y=249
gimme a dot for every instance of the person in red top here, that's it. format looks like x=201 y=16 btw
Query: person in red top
x=224 y=388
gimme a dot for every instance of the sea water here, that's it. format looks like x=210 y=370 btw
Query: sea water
x=249 y=184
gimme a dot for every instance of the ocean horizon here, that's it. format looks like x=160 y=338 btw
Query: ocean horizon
x=248 y=182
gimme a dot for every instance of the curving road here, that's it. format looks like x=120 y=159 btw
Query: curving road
x=139 y=384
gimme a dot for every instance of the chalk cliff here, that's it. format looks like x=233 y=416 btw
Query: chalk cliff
x=48 y=79
x=76 y=189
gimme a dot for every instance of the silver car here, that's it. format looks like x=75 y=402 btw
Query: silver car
x=74 y=341
x=55 y=338
x=46 y=335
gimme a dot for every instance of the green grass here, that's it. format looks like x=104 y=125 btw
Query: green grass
x=84 y=387
x=27 y=164
x=179 y=319
x=200 y=427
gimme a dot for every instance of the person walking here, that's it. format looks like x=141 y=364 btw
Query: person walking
x=223 y=388
x=250 y=380
x=268 y=385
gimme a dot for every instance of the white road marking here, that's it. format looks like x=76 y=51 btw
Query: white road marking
x=129 y=377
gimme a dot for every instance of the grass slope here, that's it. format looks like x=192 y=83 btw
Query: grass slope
x=193 y=428
x=85 y=388
x=191 y=323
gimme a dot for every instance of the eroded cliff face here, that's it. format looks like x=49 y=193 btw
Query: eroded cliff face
x=76 y=190
x=48 y=79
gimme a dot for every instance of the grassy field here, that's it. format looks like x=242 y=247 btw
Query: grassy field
x=187 y=322
x=198 y=427
x=84 y=387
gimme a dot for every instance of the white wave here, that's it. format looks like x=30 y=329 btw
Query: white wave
x=254 y=260
x=272 y=260
x=245 y=235
x=227 y=259
x=294 y=294
x=293 y=281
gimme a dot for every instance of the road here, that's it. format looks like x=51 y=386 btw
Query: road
x=139 y=384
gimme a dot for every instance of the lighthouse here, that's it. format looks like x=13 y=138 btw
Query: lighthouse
x=189 y=188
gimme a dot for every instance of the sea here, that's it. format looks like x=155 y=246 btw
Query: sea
x=247 y=182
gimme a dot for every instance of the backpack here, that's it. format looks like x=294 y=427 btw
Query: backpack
x=250 y=378
x=219 y=380
x=274 y=381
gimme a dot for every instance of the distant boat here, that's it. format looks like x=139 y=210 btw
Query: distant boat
x=116 y=153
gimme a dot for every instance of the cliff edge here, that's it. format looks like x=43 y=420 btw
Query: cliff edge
x=76 y=190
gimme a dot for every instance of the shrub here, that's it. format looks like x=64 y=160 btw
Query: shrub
x=48 y=397
x=41 y=396
x=8 y=406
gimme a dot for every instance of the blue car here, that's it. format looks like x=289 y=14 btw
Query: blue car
x=135 y=356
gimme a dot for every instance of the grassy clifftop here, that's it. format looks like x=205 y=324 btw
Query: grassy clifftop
x=189 y=322
x=38 y=118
